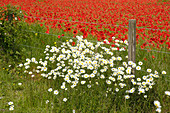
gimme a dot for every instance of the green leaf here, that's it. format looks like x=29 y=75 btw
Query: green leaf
x=17 y=52
x=16 y=56
x=11 y=52
x=23 y=50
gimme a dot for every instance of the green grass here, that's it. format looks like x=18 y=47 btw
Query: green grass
x=31 y=96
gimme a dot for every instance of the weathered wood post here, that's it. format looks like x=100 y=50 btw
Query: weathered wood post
x=132 y=42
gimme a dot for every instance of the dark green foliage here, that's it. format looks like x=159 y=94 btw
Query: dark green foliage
x=10 y=30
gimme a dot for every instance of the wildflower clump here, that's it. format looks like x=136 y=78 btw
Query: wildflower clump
x=89 y=64
x=158 y=106
x=11 y=106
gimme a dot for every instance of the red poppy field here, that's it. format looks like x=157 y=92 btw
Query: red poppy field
x=67 y=56
x=102 y=19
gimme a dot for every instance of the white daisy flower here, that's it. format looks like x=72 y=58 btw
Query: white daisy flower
x=130 y=62
x=64 y=99
x=167 y=93
x=164 y=72
x=47 y=101
x=138 y=79
x=89 y=86
x=158 y=110
x=140 y=63
x=83 y=82
x=10 y=103
x=20 y=65
x=157 y=104
x=102 y=76
x=108 y=82
x=11 y=108
x=149 y=70
x=19 y=84
x=116 y=89
x=145 y=96
x=50 y=89
x=127 y=96
x=138 y=68
x=56 y=92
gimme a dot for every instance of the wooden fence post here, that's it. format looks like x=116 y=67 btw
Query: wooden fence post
x=132 y=42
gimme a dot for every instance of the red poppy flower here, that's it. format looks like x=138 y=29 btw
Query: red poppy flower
x=68 y=29
x=162 y=41
x=153 y=56
x=47 y=31
x=75 y=32
x=59 y=26
x=113 y=45
x=142 y=47
x=73 y=43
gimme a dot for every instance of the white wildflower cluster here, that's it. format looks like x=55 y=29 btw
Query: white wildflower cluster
x=119 y=44
x=80 y=63
x=11 y=104
x=158 y=106
x=145 y=83
x=73 y=62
